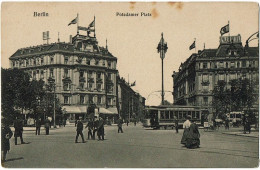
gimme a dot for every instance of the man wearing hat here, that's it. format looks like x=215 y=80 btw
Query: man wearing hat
x=79 y=131
x=6 y=134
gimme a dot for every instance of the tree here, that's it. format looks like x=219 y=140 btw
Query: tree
x=221 y=100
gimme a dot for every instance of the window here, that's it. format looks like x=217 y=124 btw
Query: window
x=221 y=64
x=205 y=100
x=205 y=65
x=226 y=64
x=99 y=86
x=90 y=99
x=97 y=62
x=88 y=62
x=66 y=99
x=221 y=77
x=193 y=114
x=42 y=74
x=42 y=61
x=109 y=64
x=27 y=62
x=99 y=100
x=34 y=62
x=81 y=74
x=162 y=115
x=38 y=61
x=34 y=74
x=51 y=72
x=171 y=114
x=232 y=64
x=244 y=63
x=238 y=64
x=109 y=88
x=82 y=99
x=51 y=60
x=66 y=86
x=104 y=63
x=109 y=100
x=109 y=76
x=89 y=86
x=99 y=75
x=66 y=59
x=81 y=85
x=90 y=74
x=205 y=78
x=197 y=114
x=66 y=72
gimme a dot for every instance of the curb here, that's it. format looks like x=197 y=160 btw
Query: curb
x=240 y=135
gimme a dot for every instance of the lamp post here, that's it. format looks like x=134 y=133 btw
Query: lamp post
x=162 y=49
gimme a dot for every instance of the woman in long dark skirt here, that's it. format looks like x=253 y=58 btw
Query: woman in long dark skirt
x=186 y=126
x=5 y=136
x=193 y=136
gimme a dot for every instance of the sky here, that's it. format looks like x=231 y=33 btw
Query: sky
x=133 y=40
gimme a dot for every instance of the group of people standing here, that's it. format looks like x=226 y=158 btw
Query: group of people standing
x=94 y=127
x=191 y=135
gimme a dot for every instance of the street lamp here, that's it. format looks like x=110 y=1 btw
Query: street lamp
x=162 y=49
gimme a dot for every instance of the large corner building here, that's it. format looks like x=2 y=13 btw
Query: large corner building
x=198 y=75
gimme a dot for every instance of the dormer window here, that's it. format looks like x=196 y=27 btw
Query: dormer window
x=88 y=62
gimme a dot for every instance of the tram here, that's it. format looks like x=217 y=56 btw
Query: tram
x=163 y=117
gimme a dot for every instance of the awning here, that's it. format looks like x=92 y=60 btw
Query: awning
x=83 y=109
x=113 y=110
x=104 y=111
x=71 y=109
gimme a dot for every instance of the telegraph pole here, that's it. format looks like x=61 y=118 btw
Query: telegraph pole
x=162 y=49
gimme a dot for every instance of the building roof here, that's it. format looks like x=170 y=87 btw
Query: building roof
x=62 y=47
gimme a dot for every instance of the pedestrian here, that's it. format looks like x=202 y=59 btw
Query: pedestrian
x=95 y=128
x=186 y=126
x=176 y=124
x=64 y=122
x=47 y=125
x=101 y=130
x=193 y=136
x=18 y=132
x=248 y=124
x=38 y=126
x=6 y=134
x=226 y=124
x=127 y=121
x=90 y=126
x=119 y=124
x=76 y=122
x=79 y=131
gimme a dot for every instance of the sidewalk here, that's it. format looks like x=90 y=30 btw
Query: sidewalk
x=254 y=134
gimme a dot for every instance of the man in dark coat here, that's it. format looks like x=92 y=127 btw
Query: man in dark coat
x=101 y=130
x=6 y=134
x=38 y=126
x=95 y=128
x=18 y=126
x=47 y=124
x=79 y=131
x=119 y=124
x=90 y=126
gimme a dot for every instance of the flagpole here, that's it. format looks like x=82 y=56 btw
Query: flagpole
x=94 y=26
x=229 y=31
x=195 y=44
x=77 y=23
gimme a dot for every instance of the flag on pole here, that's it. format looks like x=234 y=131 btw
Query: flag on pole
x=91 y=24
x=192 y=45
x=83 y=28
x=74 y=21
x=224 y=29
